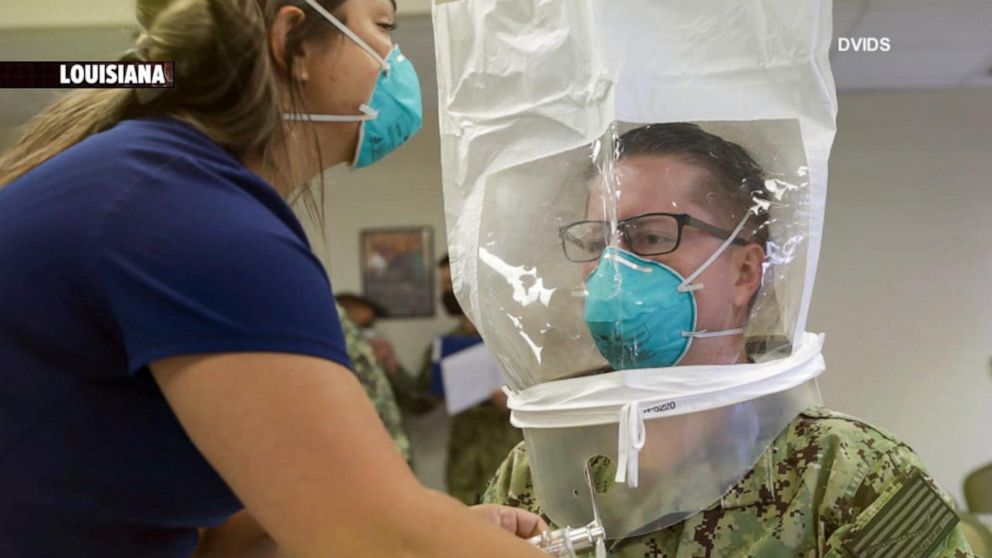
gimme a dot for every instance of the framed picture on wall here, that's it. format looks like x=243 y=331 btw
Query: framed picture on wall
x=398 y=270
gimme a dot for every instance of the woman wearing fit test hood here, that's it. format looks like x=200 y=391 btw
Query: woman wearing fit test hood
x=170 y=353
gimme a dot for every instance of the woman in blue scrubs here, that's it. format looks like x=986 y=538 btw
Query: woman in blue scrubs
x=169 y=353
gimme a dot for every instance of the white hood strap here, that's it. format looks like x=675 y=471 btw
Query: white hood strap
x=629 y=443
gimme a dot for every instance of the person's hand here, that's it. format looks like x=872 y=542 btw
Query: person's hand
x=521 y=523
x=239 y=537
x=384 y=354
x=499 y=398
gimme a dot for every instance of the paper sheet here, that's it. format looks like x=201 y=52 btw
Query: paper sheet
x=470 y=376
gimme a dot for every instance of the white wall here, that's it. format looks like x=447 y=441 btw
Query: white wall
x=904 y=291
x=63 y=13
x=404 y=189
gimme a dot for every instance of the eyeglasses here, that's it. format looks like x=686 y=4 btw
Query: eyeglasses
x=650 y=234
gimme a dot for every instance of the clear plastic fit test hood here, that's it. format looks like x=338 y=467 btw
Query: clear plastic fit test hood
x=533 y=96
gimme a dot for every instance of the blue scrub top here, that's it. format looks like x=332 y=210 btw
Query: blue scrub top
x=142 y=242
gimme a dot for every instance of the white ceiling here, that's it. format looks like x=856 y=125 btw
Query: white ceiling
x=935 y=44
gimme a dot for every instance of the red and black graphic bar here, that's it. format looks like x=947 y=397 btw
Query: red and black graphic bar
x=88 y=75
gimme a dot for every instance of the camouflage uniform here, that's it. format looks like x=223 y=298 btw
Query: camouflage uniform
x=829 y=486
x=480 y=437
x=375 y=381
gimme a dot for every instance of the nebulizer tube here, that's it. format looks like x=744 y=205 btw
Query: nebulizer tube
x=567 y=541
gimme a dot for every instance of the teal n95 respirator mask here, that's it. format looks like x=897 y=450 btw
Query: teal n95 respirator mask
x=642 y=313
x=392 y=115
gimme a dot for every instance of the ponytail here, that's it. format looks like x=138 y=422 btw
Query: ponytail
x=226 y=83
x=62 y=125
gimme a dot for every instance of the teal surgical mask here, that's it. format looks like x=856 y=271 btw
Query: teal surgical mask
x=642 y=313
x=393 y=114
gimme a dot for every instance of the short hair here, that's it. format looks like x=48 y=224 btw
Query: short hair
x=351 y=300
x=740 y=178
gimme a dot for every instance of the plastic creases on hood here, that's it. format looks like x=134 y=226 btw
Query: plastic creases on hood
x=634 y=194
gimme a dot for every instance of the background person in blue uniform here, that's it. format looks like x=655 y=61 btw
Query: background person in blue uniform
x=168 y=349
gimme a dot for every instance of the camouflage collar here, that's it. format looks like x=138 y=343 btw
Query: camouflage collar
x=757 y=486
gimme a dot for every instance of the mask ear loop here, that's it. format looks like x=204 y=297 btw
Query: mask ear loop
x=361 y=141
x=707 y=334
x=348 y=33
x=368 y=113
x=687 y=286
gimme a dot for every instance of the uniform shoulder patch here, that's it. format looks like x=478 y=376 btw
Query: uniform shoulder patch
x=910 y=525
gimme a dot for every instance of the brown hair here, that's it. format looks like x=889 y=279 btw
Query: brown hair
x=739 y=180
x=226 y=83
